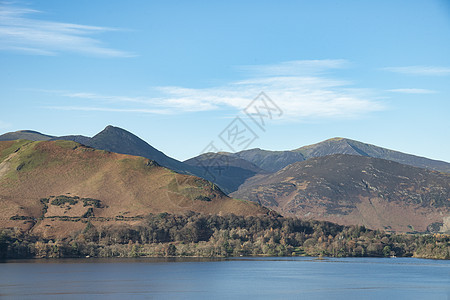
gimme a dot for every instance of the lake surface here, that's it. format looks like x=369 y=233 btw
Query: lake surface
x=249 y=278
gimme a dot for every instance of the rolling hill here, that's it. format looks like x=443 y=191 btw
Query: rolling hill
x=51 y=188
x=112 y=139
x=26 y=135
x=121 y=141
x=355 y=189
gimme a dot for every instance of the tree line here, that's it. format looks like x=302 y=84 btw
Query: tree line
x=200 y=235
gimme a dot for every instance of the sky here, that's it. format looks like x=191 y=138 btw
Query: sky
x=185 y=75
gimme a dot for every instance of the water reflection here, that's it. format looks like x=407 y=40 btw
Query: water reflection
x=268 y=278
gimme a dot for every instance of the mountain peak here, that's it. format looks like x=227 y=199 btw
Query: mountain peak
x=112 y=132
x=336 y=139
x=331 y=146
x=111 y=128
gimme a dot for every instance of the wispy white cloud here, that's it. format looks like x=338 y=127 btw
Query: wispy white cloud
x=109 y=109
x=420 y=70
x=20 y=33
x=413 y=91
x=295 y=68
x=314 y=96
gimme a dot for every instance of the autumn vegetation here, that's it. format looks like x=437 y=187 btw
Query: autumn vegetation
x=193 y=234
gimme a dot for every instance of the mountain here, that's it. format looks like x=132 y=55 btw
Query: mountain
x=348 y=146
x=273 y=161
x=270 y=161
x=121 y=141
x=112 y=139
x=118 y=140
x=25 y=135
x=230 y=170
x=355 y=189
x=84 y=140
x=52 y=188
x=227 y=171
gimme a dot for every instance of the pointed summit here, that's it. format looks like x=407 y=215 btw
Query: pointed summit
x=119 y=140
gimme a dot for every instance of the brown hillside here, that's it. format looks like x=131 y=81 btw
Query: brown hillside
x=350 y=189
x=53 y=187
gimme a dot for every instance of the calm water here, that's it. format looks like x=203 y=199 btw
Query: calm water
x=254 y=278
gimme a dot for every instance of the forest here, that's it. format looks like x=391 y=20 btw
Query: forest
x=197 y=235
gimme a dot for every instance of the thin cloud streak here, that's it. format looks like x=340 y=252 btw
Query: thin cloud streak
x=108 y=109
x=420 y=70
x=314 y=96
x=295 y=67
x=413 y=91
x=20 y=33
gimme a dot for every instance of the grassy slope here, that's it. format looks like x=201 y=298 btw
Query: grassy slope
x=126 y=185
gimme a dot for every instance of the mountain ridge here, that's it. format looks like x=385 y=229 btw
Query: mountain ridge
x=354 y=189
x=230 y=177
x=349 y=146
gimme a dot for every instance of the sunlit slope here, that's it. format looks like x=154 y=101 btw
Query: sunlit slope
x=125 y=187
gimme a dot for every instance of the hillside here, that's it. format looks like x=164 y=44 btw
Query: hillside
x=121 y=141
x=225 y=170
x=52 y=187
x=118 y=140
x=351 y=189
x=112 y=139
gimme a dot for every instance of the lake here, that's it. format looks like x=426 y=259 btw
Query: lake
x=249 y=278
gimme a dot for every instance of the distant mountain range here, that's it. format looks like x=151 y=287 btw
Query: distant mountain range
x=339 y=180
x=351 y=189
x=273 y=161
x=119 y=140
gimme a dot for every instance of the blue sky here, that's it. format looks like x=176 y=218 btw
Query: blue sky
x=178 y=73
